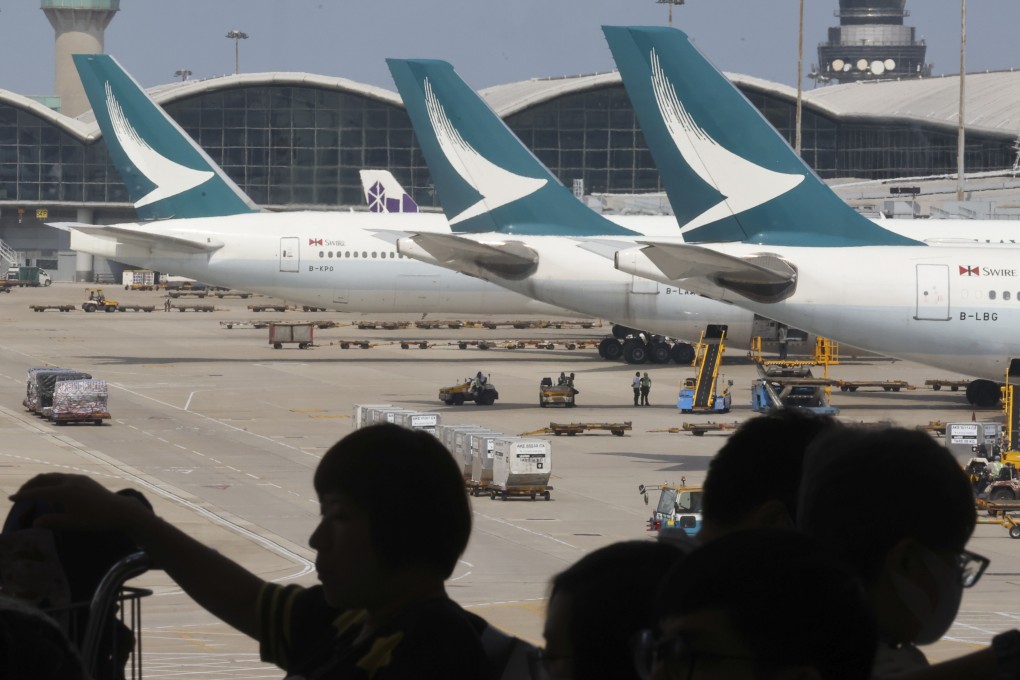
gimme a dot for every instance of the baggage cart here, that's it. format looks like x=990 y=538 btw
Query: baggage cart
x=291 y=333
x=521 y=467
x=79 y=401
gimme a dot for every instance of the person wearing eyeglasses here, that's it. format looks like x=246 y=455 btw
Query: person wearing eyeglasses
x=758 y=604
x=896 y=506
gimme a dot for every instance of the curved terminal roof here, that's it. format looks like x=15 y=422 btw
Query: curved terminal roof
x=993 y=99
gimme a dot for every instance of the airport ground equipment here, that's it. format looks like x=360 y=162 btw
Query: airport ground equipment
x=59 y=308
x=699 y=429
x=884 y=385
x=479 y=390
x=140 y=279
x=300 y=334
x=42 y=382
x=560 y=394
x=521 y=466
x=361 y=415
x=482 y=445
x=194 y=308
x=572 y=429
x=79 y=401
x=270 y=307
x=179 y=293
x=966 y=439
x=700 y=393
x=244 y=295
x=98 y=301
x=679 y=507
x=4 y=288
x=28 y=277
x=954 y=385
x=790 y=386
x=1006 y=513
x=418 y=420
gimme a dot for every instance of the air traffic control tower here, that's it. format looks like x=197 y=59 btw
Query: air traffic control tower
x=79 y=26
x=871 y=43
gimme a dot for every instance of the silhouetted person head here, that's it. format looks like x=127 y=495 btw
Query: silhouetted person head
x=597 y=606
x=896 y=506
x=753 y=481
x=761 y=603
x=365 y=532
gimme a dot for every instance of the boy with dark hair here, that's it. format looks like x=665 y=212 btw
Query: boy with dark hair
x=761 y=603
x=754 y=479
x=381 y=611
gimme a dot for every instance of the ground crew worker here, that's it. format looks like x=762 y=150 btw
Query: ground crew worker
x=646 y=385
x=635 y=383
x=562 y=380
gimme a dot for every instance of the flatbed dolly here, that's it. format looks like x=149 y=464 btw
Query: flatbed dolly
x=136 y=308
x=571 y=429
x=1006 y=513
x=59 y=308
x=885 y=385
x=531 y=492
x=194 y=308
x=270 y=308
x=953 y=385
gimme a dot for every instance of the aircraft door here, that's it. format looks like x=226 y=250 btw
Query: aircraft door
x=642 y=286
x=289 y=254
x=932 y=292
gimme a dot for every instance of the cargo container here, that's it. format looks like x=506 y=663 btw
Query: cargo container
x=482 y=446
x=139 y=279
x=300 y=334
x=461 y=448
x=521 y=466
x=386 y=414
x=360 y=418
x=79 y=401
x=41 y=383
x=417 y=420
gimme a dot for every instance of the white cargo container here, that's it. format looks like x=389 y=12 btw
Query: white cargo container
x=418 y=420
x=482 y=446
x=521 y=466
x=386 y=414
x=462 y=447
x=361 y=415
x=446 y=434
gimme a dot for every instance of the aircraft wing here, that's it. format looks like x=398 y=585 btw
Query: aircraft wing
x=140 y=239
x=764 y=277
x=507 y=259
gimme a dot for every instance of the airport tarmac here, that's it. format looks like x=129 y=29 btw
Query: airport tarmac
x=223 y=432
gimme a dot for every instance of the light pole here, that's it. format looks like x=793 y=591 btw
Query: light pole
x=961 y=146
x=670 y=3
x=237 y=37
x=182 y=73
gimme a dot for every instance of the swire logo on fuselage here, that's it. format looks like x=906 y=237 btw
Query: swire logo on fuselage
x=967 y=270
x=325 y=242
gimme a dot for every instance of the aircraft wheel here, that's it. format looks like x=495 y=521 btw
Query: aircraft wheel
x=635 y=352
x=660 y=353
x=610 y=349
x=1002 y=495
x=682 y=353
x=1014 y=531
x=983 y=393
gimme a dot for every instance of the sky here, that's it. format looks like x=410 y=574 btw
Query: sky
x=488 y=42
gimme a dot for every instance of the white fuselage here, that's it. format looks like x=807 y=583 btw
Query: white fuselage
x=337 y=261
x=952 y=308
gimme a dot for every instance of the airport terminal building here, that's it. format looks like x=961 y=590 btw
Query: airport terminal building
x=298 y=141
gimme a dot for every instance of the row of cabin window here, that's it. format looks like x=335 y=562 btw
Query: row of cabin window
x=1005 y=295
x=364 y=254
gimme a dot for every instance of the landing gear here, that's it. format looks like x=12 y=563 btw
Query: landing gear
x=984 y=393
x=682 y=353
x=622 y=332
x=659 y=353
x=635 y=351
x=610 y=349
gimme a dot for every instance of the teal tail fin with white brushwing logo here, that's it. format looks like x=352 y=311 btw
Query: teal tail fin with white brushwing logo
x=729 y=174
x=166 y=173
x=486 y=179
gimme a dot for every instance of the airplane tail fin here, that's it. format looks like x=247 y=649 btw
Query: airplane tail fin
x=384 y=194
x=166 y=173
x=729 y=175
x=486 y=178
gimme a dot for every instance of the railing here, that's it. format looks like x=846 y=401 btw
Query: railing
x=9 y=257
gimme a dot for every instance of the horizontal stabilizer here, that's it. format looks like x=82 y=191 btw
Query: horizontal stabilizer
x=509 y=259
x=763 y=277
x=137 y=238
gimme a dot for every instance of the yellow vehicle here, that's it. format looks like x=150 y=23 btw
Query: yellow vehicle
x=562 y=393
x=98 y=301
x=679 y=507
x=477 y=389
